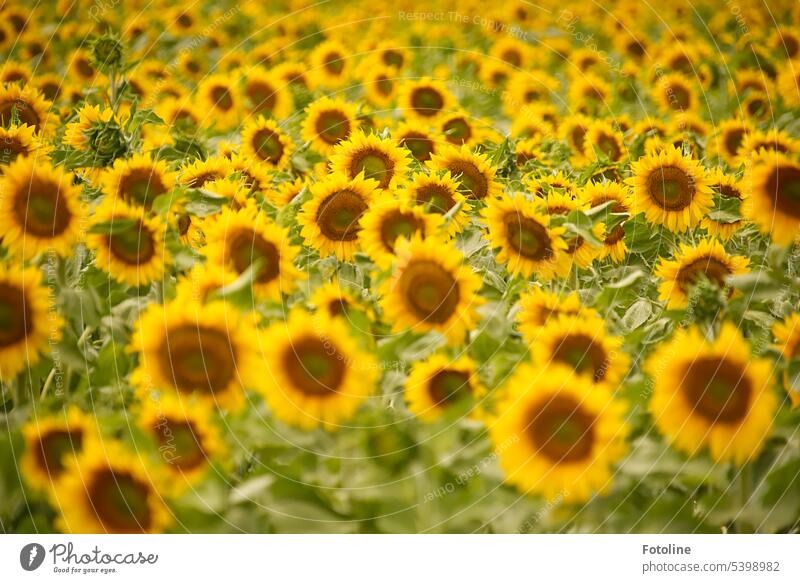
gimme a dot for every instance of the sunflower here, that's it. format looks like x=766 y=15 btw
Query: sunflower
x=441 y=383
x=256 y=177
x=424 y=99
x=186 y=435
x=380 y=85
x=581 y=341
x=391 y=54
x=418 y=138
x=210 y=350
x=729 y=139
x=108 y=489
x=380 y=159
x=329 y=64
x=139 y=180
x=287 y=191
x=431 y=288
x=331 y=219
x=774 y=202
x=595 y=194
x=328 y=122
x=573 y=130
x=130 y=246
x=589 y=94
x=557 y=435
x=707 y=259
x=200 y=172
x=789 y=84
x=218 y=96
x=459 y=128
x=16 y=141
x=438 y=193
x=333 y=300
x=236 y=239
x=712 y=393
x=389 y=220
x=675 y=93
x=78 y=134
x=524 y=237
x=266 y=94
x=49 y=441
x=537 y=307
x=264 y=141
x=179 y=112
x=473 y=172
x=671 y=190
x=40 y=209
x=726 y=188
x=787 y=334
x=30 y=106
x=602 y=140
x=316 y=373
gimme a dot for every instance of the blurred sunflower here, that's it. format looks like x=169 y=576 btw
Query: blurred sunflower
x=388 y=220
x=264 y=141
x=774 y=203
x=441 y=383
x=328 y=122
x=424 y=99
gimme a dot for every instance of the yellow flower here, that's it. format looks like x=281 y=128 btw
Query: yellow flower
x=675 y=93
x=379 y=159
x=331 y=219
x=333 y=300
x=595 y=194
x=525 y=239
x=266 y=94
x=774 y=203
x=316 y=373
x=557 y=434
x=287 y=191
x=31 y=107
x=438 y=193
x=108 y=489
x=380 y=85
x=328 y=122
x=707 y=259
x=329 y=64
x=441 y=383
x=473 y=172
x=726 y=187
x=220 y=100
x=238 y=239
x=601 y=139
x=50 y=441
x=424 y=99
x=40 y=208
x=389 y=220
x=19 y=140
x=200 y=172
x=76 y=133
x=431 y=289
x=209 y=349
x=670 y=190
x=264 y=141
x=139 y=180
x=712 y=393
x=787 y=334
x=418 y=138
x=538 y=306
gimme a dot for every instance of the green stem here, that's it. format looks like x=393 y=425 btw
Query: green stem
x=745 y=491
x=47 y=383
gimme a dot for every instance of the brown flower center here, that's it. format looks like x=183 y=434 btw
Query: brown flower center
x=42 y=209
x=446 y=387
x=430 y=291
x=374 y=164
x=198 y=358
x=733 y=140
x=561 y=430
x=10 y=148
x=315 y=366
x=457 y=131
x=245 y=247
x=783 y=186
x=436 y=197
x=420 y=145
x=399 y=224
x=332 y=126
x=221 y=98
x=182 y=438
x=527 y=237
x=426 y=101
x=141 y=186
x=471 y=181
x=54 y=445
x=712 y=268
x=134 y=245
x=261 y=95
x=583 y=354
x=120 y=501
x=670 y=188
x=15 y=315
x=268 y=146
x=718 y=390
x=339 y=214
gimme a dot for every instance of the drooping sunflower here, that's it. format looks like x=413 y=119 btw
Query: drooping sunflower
x=787 y=334
x=597 y=193
x=431 y=289
x=208 y=349
x=186 y=435
x=49 y=440
x=671 y=190
x=16 y=141
x=30 y=105
x=331 y=219
x=108 y=489
x=581 y=341
x=712 y=393
x=708 y=259
x=219 y=97
x=40 y=209
x=317 y=375
x=424 y=99
x=440 y=383
x=380 y=159
x=774 y=202
x=389 y=220
x=438 y=193
x=557 y=435
x=130 y=245
x=328 y=121
x=264 y=141
x=139 y=180
x=266 y=94
x=418 y=138
x=525 y=239
x=726 y=189
x=236 y=239
x=473 y=172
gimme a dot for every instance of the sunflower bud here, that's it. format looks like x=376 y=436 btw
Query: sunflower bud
x=107 y=53
x=706 y=301
x=108 y=143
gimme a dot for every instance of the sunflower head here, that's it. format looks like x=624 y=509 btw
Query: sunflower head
x=441 y=384
x=382 y=160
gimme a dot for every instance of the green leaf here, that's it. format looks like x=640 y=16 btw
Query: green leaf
x=112 y=227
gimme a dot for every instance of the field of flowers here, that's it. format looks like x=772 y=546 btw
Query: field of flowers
x=442 y=266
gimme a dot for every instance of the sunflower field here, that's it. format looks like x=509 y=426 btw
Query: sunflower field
x=402 y=267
